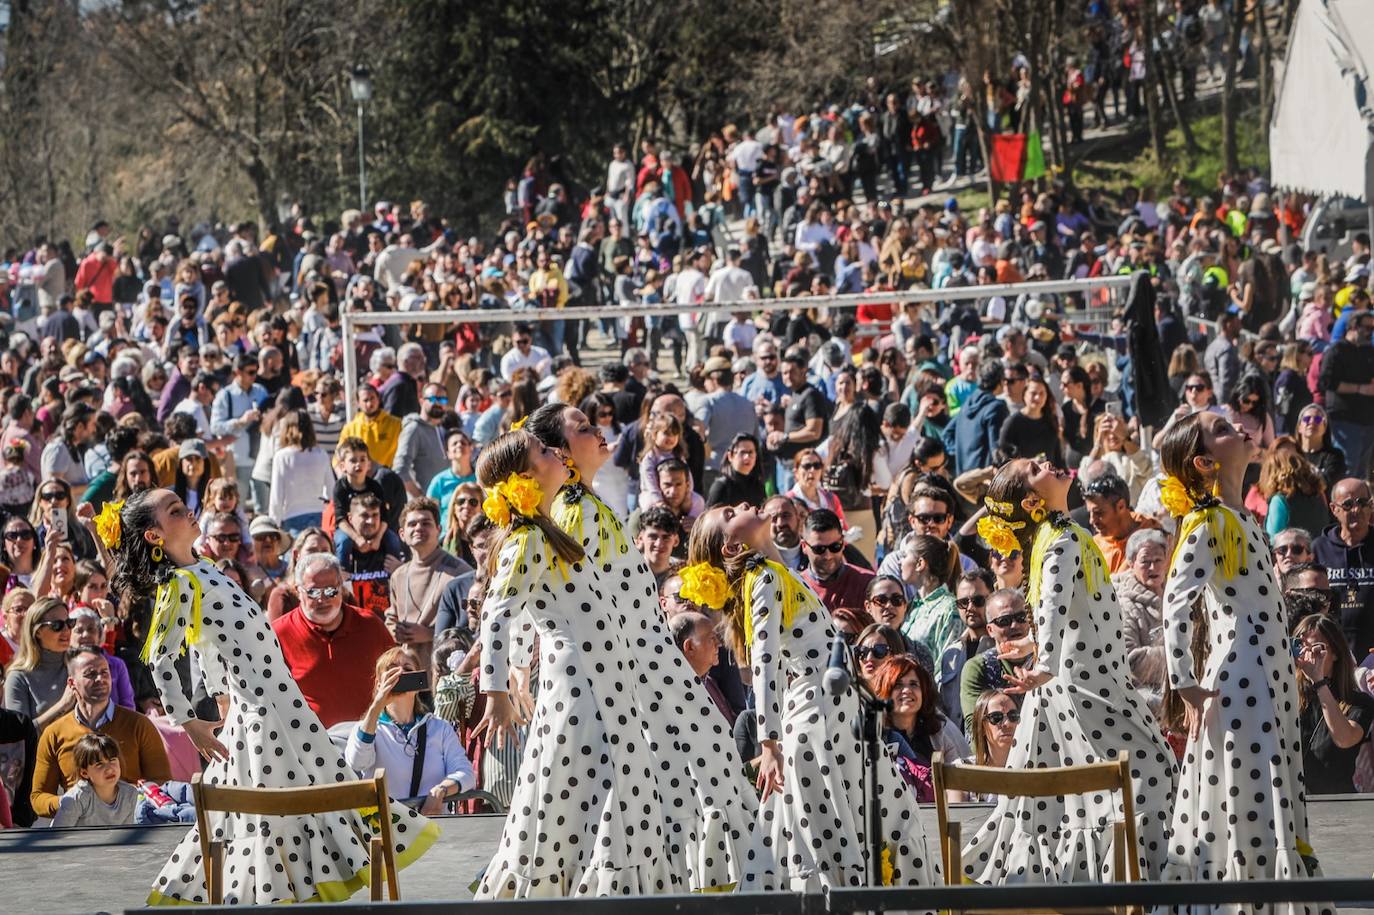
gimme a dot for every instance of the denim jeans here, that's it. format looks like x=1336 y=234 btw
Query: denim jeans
x=746 y=192
x=297 y=523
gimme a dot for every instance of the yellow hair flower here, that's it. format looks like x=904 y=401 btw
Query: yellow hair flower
x=519 y=422
x=886 y=862
x=999 y=533
x=516 y=493
x=1174 y=496
x=705 y=585
x=1001 y=508
x=108 y=526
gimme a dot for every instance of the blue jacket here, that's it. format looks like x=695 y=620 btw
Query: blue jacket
x=976 y=430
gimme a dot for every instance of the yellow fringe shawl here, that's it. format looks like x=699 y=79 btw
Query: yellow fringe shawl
x=610 y=533
x=1089 y=554
x=1224 y=528
x=791 y=596
x=165 y=610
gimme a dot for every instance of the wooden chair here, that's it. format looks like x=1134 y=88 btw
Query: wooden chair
x=341 y=796
x=1054 y=782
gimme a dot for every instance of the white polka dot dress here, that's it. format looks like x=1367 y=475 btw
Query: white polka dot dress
x=709 y=804
x=586 y=817
x=1241 y=811
x=1088 y=713
x=274 y=741
x=816 y=827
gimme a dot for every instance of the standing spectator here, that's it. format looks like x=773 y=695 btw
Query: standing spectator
x=417 y=584
x=1315 y=444
x=1222 y=357
x=1293 y=490
x=766 y=385
x=234 y=416
x=1334 y=714
x=971 y=600
x=302 y=475
x=895 y=135
x=837 y=582
x=725 y=413
x=179 y=382
x=1112 y=519
x=458 y=448
x=378 y=430
x=658 y=537
x=805 y=422
x=525 y=355
x=36 y=681
x=327 y=412
x=934 y=617
x=1347 y=381
x=739 y=479
x=420 y=454
x=978 y=425
x=1008 y=626
x=326 y=642
x=1347 y=551
x=400 y=391
x=62 y=456
x=1140 y=589
x=97 y=273
x=368 y=551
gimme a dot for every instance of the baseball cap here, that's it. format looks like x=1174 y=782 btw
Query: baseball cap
x=193 y=447
x=717 y=364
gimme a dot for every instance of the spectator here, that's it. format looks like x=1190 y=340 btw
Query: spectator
x=784 y=515
x=835 y=581
x=525 y=355
x=1315 y=445
x=1292 y=489
x=739 y=479
x=658 y=538
x=1033 y=431
x=724 y=413
x=695 y=634
x=282 y=599
x=61 y=458
x=401 y=388
x=398 y=735
x=994 y=720
x=1347 y=551
x=100 y=797
x=934 y=619
x=420 y=454
x=1112 y=519
x=1292 y=546
x=1140 y=589
x=325 y=642
x=36 y=682
x=379 y=431
x=417 y=584
x=805 y=422
x=765 y=386
x=675 y=485
x=915 y=724
x=441 y=487
x=141 y=753
x=978 y=425
x=1347 y=381
x=1115 y=448
x=88 y=630
x=873 y=644
x=302 y=477
x=368 y=550
x=808 y=470
x=1009 y=621
x=235 y=415
x=1222 y=357
x=1334 y=714
x=971 y=600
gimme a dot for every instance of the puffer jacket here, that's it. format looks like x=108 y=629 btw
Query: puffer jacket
x=1142 y=626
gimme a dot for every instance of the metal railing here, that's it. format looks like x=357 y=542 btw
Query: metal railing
x=351 y=320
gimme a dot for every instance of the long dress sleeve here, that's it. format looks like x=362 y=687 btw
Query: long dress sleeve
x=769 y=681
x=179 y=703
x=519 y=564
x=1193 y=564
x=1060 y=571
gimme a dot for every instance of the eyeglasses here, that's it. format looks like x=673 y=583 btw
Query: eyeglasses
x=997 y=719
x=605 y=414
x=1291 y=548
x=522 y=341
x=1008 y=620
x=876 y=652
x=467 y=500
x=52 y=495
x=436 y=399
x=1009 y=557
x=1351 y=505
x=888 y=600
x=18 y=536
x=1312 y=419
x=1250 y=402
x=319 y=593
x=1195 y=387
x=56 y=625
x=249 y=371
x=226 y=538
x=810 y=465
x=823 y=548
x=931 y=517
x=973 y=600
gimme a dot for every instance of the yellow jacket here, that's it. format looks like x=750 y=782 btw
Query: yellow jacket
x=551 y=277
x=382 y=433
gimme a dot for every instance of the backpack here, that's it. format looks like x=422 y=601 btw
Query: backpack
x=842 y=479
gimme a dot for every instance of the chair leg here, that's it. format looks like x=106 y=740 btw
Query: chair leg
x=214 y=874
x=375 y=869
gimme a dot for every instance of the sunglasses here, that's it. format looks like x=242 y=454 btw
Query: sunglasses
x=876 y=652
x=999 y=557
x=18 y=536
x=888 y=600
x=226 y=538
x=525 y=342
x=1312 y=419
x=811 y=465
x=318 y=593
x=1290 y=548
x=823 y=548
x=976 y=600
x=997 y=719
x=605 y=414
x=1010 y=619
x=56 y=625
x=931 y=517
x=1250 y=402
x=1351 y=504
x=442 y=400
x=472 y=604
x=1195 y=387
x=467 y=500
x=52 y=495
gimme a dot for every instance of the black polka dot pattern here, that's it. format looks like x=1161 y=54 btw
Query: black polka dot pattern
x=1087 y=713
x=274 y=741
x=1241 y=808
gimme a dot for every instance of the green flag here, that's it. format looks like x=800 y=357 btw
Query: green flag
x=1035 y=157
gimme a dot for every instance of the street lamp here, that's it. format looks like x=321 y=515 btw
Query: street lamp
x=360 y=83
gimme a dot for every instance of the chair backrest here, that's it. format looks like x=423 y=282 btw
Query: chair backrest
x=290 y=801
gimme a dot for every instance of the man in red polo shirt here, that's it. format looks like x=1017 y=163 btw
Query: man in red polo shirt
x=331 y=649
x=838 y=583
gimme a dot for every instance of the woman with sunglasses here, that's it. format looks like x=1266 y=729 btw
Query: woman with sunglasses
x=886 y=601
x=874 y=645
x=54 y=497
x=1079 y=705
x=612 y=483
x=21 y=552
x=995 y=718
x=808 y=467
x=1291 y=393
x=36 y=681
x=1197 y=396
x=915 y=726
x=1008 y=569
x=465 y=505
x=739 y=479
x=1248 y=409
x=1314 y=443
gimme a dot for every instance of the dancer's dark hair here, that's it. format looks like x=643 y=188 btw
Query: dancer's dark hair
x=136 y=574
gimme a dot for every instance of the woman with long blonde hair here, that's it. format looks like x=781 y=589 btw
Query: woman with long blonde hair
x=814 y=810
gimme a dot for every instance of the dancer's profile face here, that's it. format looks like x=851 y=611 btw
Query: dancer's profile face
x=173 y=522
x=546 y=466
x=586 y=447
x=1226 y=444
x=743 y=526
x=1049 y=482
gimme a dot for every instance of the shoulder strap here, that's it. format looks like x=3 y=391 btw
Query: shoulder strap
x=421 y=740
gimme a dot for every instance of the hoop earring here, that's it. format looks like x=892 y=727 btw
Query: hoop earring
x=1216 y=480
x=1037 y=514
x=574 y=475
x=158 y=555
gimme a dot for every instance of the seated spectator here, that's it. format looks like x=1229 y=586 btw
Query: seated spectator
x=1310 y=581
x=1111 y=517
x=36 y=681
x=1009 y=622
x=994 y=720
x=1291 y=546
x=223 y=540
x=658 y=538
x=419 y=752
x=282 y=598
x=100 y=797
x=886 y=602
x=1140 y=590
x=1335 y=716
x=837 y=582
x=417 y=584
x=808 y=467
x=915 y=724
x=326 y=642
x=695 y=634
x=1294 y=492
x=933 y=619
x=141 y=753
x=784 y=516
x=1114 y=446
x=978 y=424
x=368 y=551
x=874 y=645
x=971 y=600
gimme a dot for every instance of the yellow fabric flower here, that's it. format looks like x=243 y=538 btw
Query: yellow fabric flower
x=495 y=508
x=518 y=423
x=999 y=533
x=1174 y=496
x=108 y=526
x=522 y=493
x=705 y=585
x=887 y=865
x=999 y=508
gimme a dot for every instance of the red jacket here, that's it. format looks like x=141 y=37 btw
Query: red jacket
x=97 y=274
x=334 y=670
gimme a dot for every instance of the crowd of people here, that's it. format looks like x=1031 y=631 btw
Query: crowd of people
x=922 y=479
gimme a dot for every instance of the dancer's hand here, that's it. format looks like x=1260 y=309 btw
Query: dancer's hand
x=520 y=693
x=770 y=769
x=1015 y=649
x=1023 y=681
x=202 y=734
x=1197 y=699
x=498 y=721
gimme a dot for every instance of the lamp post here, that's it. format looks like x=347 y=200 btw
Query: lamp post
x=360 y=83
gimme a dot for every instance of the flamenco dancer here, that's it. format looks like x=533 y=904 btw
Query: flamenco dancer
x=270 y=737
x=587 y=816
x=711 y=812
x=1241 y=810
x=1078 y=708
x=813 y=818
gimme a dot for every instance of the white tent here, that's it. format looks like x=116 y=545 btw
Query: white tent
x=1322 y=137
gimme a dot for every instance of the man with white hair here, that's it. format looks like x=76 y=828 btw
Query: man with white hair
x=330 y=647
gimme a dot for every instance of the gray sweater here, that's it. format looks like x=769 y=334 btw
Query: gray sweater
x=33 y=692
x=81 y=807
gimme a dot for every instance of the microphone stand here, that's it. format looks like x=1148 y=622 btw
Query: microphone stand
x=870 y=717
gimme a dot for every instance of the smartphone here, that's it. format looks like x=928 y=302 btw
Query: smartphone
x=411 y=682
x=57 y=525
x=1114 y=408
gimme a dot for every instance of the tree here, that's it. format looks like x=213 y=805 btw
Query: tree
x=1229 y=101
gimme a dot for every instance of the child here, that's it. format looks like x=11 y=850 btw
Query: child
x=353 y=463
x=17 y=483
x=662 y=440
x=222 y=495
x=100 y=798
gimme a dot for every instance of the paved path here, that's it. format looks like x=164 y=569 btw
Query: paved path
x=70 y=871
